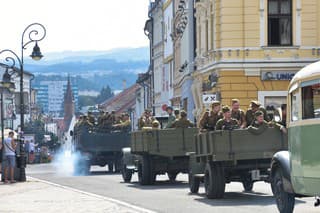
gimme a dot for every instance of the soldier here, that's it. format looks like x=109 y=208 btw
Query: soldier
x=146 y=119
x=260 y=123
x=227 y=122
x=171 y=117
x=155 y=124
x=183 y=121
x=100 y=118
x=91 y=118
x=203 y=124
x=177 y=113
x=210 y=122
x=125 y=124
x=254 y=107
x=238 y=113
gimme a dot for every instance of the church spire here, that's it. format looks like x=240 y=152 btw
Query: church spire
x=69 y=108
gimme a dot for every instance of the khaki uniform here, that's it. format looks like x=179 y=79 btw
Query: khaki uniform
x=250 y=117
x=211 y=121
x=223 y=124
x=182 y=123
x=171 y=120
x=91 y=119
x=145 y=122
x=124 y=125
x=240 y=116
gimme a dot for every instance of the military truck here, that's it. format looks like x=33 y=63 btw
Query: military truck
x=156 y=151
x=99 y=148
x=242 y=155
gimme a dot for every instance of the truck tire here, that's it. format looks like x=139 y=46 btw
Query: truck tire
x=145 y=171
x=126 y=174
x=172 y=176
x=214 y=180
x=194 y=183
x=285 y=201
x=110 y=167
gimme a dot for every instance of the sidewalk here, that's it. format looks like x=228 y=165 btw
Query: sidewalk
x=37 y=196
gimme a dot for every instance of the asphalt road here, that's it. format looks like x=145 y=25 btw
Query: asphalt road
x=165 y=196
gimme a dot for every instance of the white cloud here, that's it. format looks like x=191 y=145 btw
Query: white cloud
x=75 y=24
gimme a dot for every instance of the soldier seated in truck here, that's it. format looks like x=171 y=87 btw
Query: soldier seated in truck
x=183 y=121
x=146 y=119
x=227 y=122
x=171 y=117
x=209 y=122
x=125 y=123
x=250 y=114
x=260 y=124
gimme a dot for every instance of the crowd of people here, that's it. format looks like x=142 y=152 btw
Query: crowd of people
x=218 y=118
x=105 y=122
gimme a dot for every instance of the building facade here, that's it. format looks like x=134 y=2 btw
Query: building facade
x=251 y=49
x=50 y=96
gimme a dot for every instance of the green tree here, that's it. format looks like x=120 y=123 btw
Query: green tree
x=86 y=101
x=104 y=95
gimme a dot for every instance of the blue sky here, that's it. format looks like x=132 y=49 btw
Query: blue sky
x=75 y=25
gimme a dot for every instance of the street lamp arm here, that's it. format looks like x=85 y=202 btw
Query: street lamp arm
x=34 y=35
x=11 y=59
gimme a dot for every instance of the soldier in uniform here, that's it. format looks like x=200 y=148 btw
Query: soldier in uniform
x=146 y=119
x=125 y=124
x=177 y=113
x=259 y=122
x=91 y=118
x=238 y=114
x=183 y=121
x=227 y=122
x=171 y=117
x=155 y=124
x=210 y=122
x=203 y=124
x=250 y=114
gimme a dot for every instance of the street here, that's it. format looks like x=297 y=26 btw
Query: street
x=165 y=196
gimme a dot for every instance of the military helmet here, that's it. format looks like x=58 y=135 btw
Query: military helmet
x=255 y=103
x=183 y=113
x=258 y=113
x=215 y=103
x=176 y=111
x=225 y=109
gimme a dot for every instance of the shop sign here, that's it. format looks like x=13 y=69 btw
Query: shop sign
x=277 y=75
x=209 y=98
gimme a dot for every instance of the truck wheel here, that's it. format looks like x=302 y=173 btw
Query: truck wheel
x=172 y=176
x=145 y=174
x=110 y=167
x=126 y=174
x=285 y=201
x=214 y=180
x=194 y=183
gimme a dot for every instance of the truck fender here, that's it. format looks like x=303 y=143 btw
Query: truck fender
x=127 y=157
x=282 y=160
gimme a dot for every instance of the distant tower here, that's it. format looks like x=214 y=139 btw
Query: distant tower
x=69 y=108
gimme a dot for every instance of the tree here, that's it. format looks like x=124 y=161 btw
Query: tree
x=86 y=101
x=104 y=95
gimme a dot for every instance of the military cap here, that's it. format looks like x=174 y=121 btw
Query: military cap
x=215 y=103
x=234 y=100
x=176 y=111
x=113 y=112
x=169 y=107
x=147 y=110
x=258 y=113
x=255 y=103
x=225 y=109
x=183 y=113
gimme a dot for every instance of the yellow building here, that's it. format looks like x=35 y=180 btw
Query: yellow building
x=250 y=49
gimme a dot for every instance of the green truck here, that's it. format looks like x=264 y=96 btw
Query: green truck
x=242 y=155
x=296 y=172
x=99 y=148
x=155 y=152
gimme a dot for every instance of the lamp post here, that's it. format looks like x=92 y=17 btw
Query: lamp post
x=32 y=34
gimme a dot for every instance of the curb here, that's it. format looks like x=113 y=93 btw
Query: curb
x=119 y=202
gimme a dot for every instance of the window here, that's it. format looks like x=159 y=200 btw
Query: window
x=311 y=99
x=295 y=105
x=279 y=22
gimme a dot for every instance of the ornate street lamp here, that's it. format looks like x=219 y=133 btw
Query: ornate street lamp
x=32 y=33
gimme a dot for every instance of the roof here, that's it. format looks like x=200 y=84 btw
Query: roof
x=122 y=101
x=307 y=72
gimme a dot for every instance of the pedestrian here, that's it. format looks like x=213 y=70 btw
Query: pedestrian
x=9 y=145
x=31 y=151
x=1 y=150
